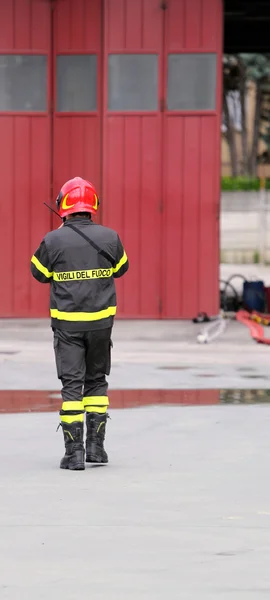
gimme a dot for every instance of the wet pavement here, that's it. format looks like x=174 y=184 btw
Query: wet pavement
x=182 y=510
x=146 y=355
x=50 y=401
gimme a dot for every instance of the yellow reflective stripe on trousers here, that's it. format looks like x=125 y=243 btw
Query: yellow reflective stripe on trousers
x=82 y=275
x=73 y=405
x=40 y=267
x=83 y=316
x=72 y=418
x=96 y=401
x=121 y=263
x=96 y=409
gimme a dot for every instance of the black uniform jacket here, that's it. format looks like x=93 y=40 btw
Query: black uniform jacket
x=82 y=287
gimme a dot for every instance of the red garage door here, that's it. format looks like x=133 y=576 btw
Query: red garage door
x=132 y=167
x=24 y=151
x=50 y=120
x=127 y=94
x=191 y=157
x=161 y=151
x=77 y=91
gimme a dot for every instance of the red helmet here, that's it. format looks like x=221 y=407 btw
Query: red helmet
x=77 y=195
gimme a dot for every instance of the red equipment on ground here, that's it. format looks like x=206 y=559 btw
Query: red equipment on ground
x=255 y=322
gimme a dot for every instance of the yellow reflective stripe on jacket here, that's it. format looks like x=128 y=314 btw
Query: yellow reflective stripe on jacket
x=72 y=405
x=79 y=275
x=83 y=316
x=40 y=267
x=121 y=263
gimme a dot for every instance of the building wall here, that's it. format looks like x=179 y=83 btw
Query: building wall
x=127 y=94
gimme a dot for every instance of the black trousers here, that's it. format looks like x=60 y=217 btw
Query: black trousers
x=83 y=359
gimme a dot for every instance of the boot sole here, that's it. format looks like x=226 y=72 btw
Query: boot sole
x=96 y=462
x=78 y=467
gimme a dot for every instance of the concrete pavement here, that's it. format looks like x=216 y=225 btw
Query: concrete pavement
x=182 y=510
x=148 y=354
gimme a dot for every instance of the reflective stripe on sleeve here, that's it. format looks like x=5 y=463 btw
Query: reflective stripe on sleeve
x=40 y=267
x=121 y=262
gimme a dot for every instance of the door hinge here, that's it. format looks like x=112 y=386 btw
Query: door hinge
x=161 y=206
x=163 y=5
x=162 y=105
x=160 y=306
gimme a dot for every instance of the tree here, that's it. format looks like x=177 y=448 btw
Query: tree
x=257 y=69
x=230 y=84
x=238 y=71
x=243 y=95
x=264 y=157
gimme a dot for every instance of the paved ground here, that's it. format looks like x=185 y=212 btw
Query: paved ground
x=148 y=354
x=182 y=511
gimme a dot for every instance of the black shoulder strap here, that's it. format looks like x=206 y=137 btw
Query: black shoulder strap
x=97 y=248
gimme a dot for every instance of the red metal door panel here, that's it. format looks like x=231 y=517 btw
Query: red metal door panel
x=31 y=220
x=77 y=25
x=211 y=28
x=209 y=216
x=6 y=221
x=39 y=176
x=193 y=24
x=24 y=25
x=130 y=208
x=172 y=242
x=132 y=159
x=149 y=234
x=24 y=162
x=77 y=133
x=24 y=220
x=190 y=214
x=191 y=168
x=132 y=25
x=22 y=251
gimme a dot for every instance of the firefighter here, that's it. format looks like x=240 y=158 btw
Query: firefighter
x=80 y=261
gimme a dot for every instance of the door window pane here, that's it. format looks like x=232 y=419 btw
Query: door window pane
x=23 y=82
x=133 y=82
x=76 y=83
x=191 y=82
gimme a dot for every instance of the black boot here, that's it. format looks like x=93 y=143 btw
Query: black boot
x=96 y=429
x=73 y=438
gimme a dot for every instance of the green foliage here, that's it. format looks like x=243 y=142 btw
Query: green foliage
x=257 y=66
x=256 y=257
x=241 y=184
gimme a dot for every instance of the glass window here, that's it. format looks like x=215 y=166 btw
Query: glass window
x=133 y=82
x=23 y=82
x=76 y=83
x=191 y=82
